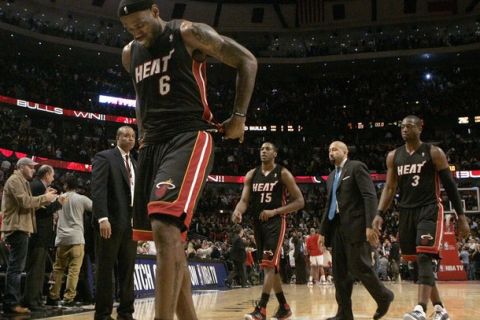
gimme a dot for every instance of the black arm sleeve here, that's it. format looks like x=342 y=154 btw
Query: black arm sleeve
x=451 y=189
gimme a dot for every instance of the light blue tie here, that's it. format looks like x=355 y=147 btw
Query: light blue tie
x=333 y=203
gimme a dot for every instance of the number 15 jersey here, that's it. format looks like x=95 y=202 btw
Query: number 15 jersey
x=268 y=192
x=418 y=180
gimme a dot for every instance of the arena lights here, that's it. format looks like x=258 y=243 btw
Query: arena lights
x=117 y=101
x=370 y=125
x=477 y=119
x=463 y=120
x=275 y=128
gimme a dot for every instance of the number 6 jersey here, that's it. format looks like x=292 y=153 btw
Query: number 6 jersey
x=417 y=177
x=170 y=87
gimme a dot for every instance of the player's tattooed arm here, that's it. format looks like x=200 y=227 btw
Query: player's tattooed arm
x=203 y=37
x=199 y=36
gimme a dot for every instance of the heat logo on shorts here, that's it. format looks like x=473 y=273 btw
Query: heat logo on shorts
x=163 y=187
x=425 y=239
x=267 y=255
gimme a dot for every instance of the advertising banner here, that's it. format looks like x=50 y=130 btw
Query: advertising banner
x=205 y=275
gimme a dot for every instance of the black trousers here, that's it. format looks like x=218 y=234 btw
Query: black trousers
x=353 y=261
x=35 y=273
x=238 y=271
x=119 y=247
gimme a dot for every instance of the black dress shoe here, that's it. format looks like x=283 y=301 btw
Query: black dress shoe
x=125 y=317
x=36 y=308
x=382 y=308
x=52 y=302
x=16 y=310
x=340 y=317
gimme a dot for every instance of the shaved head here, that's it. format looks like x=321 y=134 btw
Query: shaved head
x=340 y=145
x=337 y=152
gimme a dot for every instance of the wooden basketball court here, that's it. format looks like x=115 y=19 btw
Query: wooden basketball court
x=462 y=300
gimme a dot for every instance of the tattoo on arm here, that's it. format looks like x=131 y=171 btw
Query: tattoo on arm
x=206 y=35
x=221 y=47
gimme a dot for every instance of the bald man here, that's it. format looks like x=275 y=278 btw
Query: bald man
x=346 y=227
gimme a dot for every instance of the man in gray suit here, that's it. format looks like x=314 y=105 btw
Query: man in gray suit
x=346 y=227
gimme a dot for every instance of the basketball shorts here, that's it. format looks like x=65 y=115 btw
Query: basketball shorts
x=316 y=260
x=420 y=230
x=170 y=180
x=269 y=237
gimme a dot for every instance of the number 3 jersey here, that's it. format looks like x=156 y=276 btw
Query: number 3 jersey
x=170 y=87
x=417 y=178
x=268 y=192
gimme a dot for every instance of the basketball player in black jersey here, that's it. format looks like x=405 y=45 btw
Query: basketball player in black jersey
x=264 y=194
x=415 y=168
x=166 y=61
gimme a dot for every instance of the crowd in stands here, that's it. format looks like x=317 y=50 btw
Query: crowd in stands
x=345 y=105
x=359 y=107
x=110 y=32
x=372 y=39
x=57 y=22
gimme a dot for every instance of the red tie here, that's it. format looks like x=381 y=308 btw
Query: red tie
x=127 y=164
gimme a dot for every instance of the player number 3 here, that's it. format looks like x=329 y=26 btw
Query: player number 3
x=416 y=180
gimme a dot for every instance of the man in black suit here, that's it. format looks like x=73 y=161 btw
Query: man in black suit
x=238 y=255
x=345 y=226
x=40 y=241
x=113 y=176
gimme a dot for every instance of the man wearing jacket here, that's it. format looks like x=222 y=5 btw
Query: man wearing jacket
x=19 y=223
x=346 y=227
x=40 y=241
x=113 y=177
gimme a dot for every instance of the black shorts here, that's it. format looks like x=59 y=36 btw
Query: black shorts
x=169 y=181
x=421 y=230
x=269 y=237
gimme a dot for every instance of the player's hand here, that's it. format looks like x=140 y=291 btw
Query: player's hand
x=266 y=214
x=377 y=225
x=234 y=128
x=236 y=217
x=372 y=237
x=463 y=229
x=105 y=229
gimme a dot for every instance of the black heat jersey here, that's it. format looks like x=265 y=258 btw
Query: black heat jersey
x=268 y=192
x=417 y=178
x=170 y=87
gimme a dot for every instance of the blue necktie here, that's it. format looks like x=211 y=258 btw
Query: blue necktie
x=333 y=203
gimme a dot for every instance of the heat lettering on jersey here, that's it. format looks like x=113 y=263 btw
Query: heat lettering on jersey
x=264 y=187
x=152 y=67
x=414 y=168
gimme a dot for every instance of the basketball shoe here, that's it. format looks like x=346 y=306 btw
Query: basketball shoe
x=283 y=313
x=257 y=314
x=439 y=313
x=416 y=314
